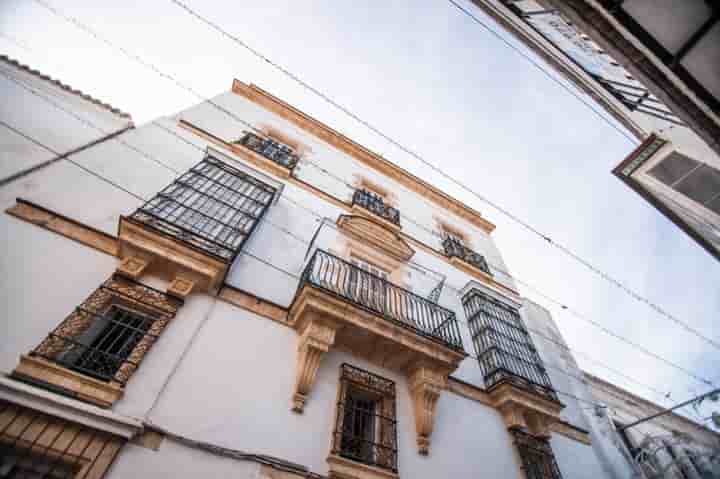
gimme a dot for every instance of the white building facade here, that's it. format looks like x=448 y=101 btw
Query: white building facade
x=239 y=290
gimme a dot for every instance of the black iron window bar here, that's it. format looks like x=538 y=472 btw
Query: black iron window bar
x=536 y=455
x=272 y=150
x=454 y=247
x=374 y=203
x=213 y=207
x=108 y=335
x=37 y=445
x=503 y=345
x=379 y=296
x=365 y=427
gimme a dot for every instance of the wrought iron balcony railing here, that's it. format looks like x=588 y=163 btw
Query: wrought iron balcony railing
x=272 y=150
x=455 y=248
x=374 y=203
x=379 y=296
x=213 y=207
x=503 y=345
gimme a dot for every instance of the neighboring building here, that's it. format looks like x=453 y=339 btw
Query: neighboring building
x=655 y=67
x=669 y=446
x=241 y=291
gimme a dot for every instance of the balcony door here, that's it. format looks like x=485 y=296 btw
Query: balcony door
x=368 y=284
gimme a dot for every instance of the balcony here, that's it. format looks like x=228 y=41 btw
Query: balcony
x=512 y=369
x=195 y=226
x=454 y=248
x=339 y=305
x=270 y=149
x=376 y=205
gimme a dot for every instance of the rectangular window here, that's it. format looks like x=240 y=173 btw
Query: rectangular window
x=365 y=429
x=271 y=149
x=107 y=336
x=503 y=345
x=536 y=456
x=212 y=207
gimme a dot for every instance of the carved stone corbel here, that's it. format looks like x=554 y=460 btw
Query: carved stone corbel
x=317 y=339
x=425 y=385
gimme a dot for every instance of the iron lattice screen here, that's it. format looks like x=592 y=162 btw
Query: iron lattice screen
x=107 y=335
x=503 y=345
x=35 y=445
x=272 y=150
x=374 y=203
x=212 y=207
x=379 y=296
x=538 y=460
x=454 y=247
x=365 y=427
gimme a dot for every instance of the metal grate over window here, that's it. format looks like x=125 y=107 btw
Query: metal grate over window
x=538 y=460
x=503 y=345
x=270 y=149
x=212 y=207
x=35 y=445
x=375 y=203
x=365 y=428
x=107 y=335
x=455 y=247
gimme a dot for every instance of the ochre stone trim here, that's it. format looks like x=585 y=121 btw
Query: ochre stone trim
x=100 y=393
x=57 y=223
x=523 y=409
x=249 y=302
x=362 y=154
x=149 y=439
x=571 y=432
x=168 y=257
x=357 y=210
x=373 y=232
x=342 y=468
x=325 y=321
x=472 y=270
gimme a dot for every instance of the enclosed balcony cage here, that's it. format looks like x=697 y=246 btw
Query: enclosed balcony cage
x=365 y=427
x=538 y=460
x=503 y=345
x=454 y=247
x=213 y=208
x=381 y=297
x=272 y=150
x=375 y=204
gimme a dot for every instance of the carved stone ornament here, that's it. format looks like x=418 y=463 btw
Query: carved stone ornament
x=316 y=340
x=170 y=258
x=377 y=234
x=425 y=385
x=524 y=409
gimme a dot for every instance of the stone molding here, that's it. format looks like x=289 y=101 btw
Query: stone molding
x=357 y=210
x=324 y=321
x=171 y=259
x=523 y=409
x=374 y=232
x=342 y=468
x=100 y=393
x=249 y=302
x=360 y=153
x=472 y=270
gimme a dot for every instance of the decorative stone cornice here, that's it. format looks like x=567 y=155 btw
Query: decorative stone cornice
x=524 y=409
x=346 y=145
x=142 y=248
x=377 y=234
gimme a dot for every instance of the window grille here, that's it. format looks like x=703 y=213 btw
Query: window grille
x=107 y=336
x=455 y=247
x=212 y=207
x=35 y=445
x=271 y=149
x=365 y=428
x=375 y=204
x=536 y=455
x=503 y=345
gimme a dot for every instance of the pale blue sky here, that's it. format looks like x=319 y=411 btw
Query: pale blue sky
x=434 y=80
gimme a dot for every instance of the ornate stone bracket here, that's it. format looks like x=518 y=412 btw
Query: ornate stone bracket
x=425 y=385
x=521 y=409
x=316 y=340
